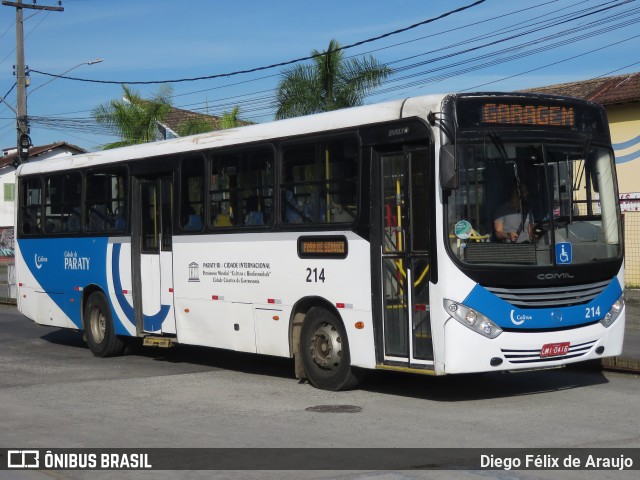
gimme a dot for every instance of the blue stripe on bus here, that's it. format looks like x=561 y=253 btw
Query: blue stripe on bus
x=507 y=316
x=63 y=267
x=151 y=323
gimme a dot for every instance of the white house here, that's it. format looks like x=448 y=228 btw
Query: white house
x=7 y=188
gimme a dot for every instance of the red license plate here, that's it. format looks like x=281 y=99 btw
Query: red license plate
x=554 y=349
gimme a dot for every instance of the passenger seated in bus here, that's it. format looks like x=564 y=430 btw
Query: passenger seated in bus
x=513 y=221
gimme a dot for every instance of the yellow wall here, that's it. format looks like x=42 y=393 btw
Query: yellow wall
x=624 y=122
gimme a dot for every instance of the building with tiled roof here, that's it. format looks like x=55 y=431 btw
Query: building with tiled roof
x=170 y=125
x=620 y=95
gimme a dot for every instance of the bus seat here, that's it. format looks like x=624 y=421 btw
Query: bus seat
x=73 y=222
x=99 y=218
x=254 y=218
x=223 y=220
x=121 y=222
x=194 y=223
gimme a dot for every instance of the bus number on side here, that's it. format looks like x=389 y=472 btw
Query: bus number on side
x=314 y=275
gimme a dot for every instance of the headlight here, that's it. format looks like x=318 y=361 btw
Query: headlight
x=614 y=313
x=472 y=319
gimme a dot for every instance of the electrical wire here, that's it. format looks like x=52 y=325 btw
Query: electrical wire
x=268 y=67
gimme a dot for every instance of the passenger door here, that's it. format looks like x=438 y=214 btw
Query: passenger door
x=152 y=254
x=405 y=190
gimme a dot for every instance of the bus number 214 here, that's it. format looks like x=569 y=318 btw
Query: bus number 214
x=314 y=275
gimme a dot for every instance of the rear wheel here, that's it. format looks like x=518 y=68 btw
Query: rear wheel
x=325 y=351
x=99 y=330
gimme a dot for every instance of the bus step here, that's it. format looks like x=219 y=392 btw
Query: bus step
x=162 y=342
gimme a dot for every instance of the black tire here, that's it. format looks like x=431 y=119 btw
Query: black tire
x=98 y=327
x=324 y=348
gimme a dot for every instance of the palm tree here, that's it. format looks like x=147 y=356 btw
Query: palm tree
x=133 y=118
x=330 y=83
x=195 y=125
x=231 y=119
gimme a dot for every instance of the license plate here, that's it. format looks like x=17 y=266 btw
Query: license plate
x=554 y=349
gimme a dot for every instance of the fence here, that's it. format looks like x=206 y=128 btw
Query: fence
x=631 y=215
x=7 y=283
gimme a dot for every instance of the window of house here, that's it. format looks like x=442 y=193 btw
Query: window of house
x=9 y=192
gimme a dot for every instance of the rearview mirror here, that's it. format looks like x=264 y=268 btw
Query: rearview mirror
x=448 y=168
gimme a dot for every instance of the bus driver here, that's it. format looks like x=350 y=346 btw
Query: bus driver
x=513 y=222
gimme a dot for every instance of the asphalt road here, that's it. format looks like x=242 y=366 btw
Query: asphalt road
x=54 y=393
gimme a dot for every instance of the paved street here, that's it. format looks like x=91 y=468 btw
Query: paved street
x=54 y=393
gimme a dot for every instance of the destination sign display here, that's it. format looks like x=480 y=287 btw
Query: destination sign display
x=523 y=114
x=319 y=247
x=504 y=112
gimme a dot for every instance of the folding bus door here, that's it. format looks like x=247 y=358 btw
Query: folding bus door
x=152 y=254
x=404 y=262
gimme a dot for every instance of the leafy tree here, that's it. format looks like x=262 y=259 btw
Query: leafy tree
x=195 y=125
x=231 y=119
x=331 y=82
x=133 y=118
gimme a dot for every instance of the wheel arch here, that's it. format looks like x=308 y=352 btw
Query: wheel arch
x=87 y=291
x=296 y=319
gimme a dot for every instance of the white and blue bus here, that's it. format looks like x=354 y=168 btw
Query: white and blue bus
x=366 y=238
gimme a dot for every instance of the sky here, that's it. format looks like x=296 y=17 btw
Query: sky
x=497 y=45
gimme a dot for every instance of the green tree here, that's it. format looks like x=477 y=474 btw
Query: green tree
x=195 y=125
x=329 y=83
x=134 y=118
x=231 y=119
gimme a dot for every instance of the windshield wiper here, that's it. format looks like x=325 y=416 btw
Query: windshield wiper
x=497 y=142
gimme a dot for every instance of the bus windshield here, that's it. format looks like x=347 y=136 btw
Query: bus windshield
x=533 y=204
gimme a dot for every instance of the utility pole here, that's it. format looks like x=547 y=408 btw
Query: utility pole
x=23 y=141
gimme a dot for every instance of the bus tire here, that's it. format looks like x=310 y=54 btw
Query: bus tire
x=99 y=330
x=325 y=351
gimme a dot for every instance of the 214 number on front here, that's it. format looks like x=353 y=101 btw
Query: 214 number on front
x=315 y=275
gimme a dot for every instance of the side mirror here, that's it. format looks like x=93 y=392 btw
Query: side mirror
x=448 y=168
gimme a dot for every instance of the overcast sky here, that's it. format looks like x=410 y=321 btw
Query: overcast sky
x=154 y=40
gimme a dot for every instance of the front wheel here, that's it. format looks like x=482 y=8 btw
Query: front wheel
x=98 y=326
x=325 y=351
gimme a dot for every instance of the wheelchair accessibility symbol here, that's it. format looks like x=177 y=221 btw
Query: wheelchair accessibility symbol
x=563 y=253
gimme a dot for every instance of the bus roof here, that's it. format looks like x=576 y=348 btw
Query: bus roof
x=335 y=120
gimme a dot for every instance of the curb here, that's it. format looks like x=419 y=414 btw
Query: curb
x=620 y=364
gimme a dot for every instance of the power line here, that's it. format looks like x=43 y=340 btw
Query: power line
x=268 y=67
x=552 y=64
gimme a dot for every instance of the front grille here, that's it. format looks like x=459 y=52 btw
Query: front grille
x=533 y=356
x=549 y=297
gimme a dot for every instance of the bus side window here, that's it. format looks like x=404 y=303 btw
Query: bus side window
x=320 y=181
x=241 y=191
x=192 y=194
